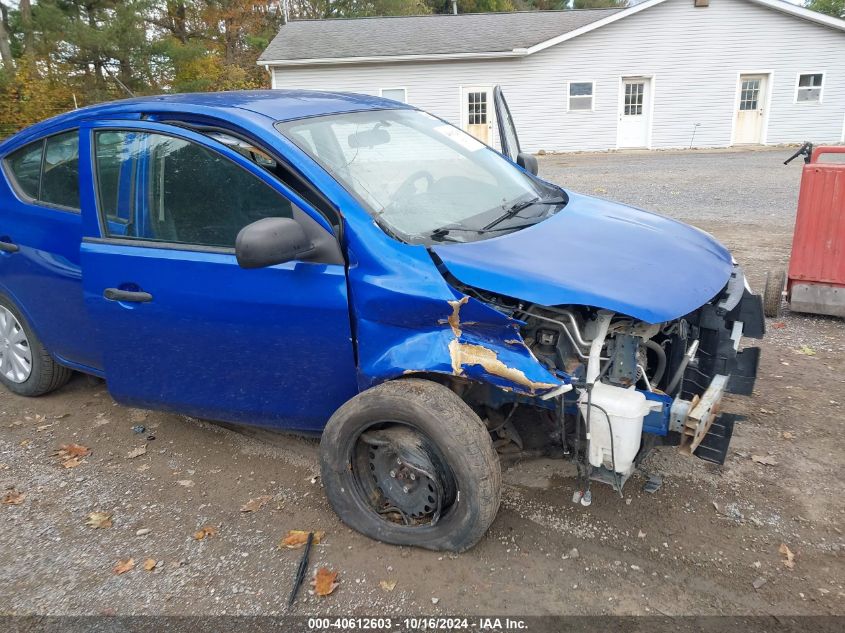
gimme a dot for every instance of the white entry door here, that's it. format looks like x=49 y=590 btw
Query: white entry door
x=634 y=112
x=477 y=112
x=749 y=114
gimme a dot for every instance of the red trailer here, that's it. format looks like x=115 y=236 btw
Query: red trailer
x=815 y=282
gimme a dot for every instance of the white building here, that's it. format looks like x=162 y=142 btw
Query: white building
x=654 y=75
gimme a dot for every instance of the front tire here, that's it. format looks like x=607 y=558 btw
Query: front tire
x=26 y=368
x=409 y=463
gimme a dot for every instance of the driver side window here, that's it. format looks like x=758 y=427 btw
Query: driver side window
x=167 y=189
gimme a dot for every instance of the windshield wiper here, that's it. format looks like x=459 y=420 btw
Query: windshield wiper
x=516 y=208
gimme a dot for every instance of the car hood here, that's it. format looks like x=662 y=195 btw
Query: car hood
x=601 y=254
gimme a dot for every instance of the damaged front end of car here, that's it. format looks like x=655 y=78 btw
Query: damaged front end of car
x=630 y=385
x=578 y=382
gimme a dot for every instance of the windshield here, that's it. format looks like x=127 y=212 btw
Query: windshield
x=422 y=179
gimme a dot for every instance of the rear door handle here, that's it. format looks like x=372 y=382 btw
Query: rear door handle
x=8 y=247
x=116 y=294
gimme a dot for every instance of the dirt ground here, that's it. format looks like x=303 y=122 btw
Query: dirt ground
x=708 y=542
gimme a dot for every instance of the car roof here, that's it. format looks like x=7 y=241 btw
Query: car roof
x=248 y=108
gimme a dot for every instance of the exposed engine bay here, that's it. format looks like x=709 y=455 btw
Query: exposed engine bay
x=630 y=385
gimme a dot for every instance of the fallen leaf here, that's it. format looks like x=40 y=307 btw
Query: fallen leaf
x=73 y=450
x=807 y=351
x=779 y=325
x=387 y=585
x=137 y=452
x=208 y=530
x=124 y=566
x=99 y=520
x=787 y=435
x=766 y=460
x=14 y=498
x=297 y=538
x=150 y=564
x=187 y=483
x=325 y=581
x=256 y=504
x=73 y=462
x=789 y=557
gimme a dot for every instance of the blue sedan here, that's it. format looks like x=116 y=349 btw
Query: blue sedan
x=355 y=267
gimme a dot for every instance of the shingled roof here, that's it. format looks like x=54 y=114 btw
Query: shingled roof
x=469 y=33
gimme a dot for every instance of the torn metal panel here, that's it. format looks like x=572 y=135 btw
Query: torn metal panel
x=466 y=339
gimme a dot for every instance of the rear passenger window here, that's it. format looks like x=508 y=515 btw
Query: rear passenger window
x=60 y=175
x=168 y=189
x=47 y=171
x=25 y=168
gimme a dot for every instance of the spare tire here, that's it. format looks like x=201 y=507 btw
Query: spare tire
x=773 y=292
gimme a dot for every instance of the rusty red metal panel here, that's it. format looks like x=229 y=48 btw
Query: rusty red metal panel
x=818 y=246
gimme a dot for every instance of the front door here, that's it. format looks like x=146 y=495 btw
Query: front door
x=634 y=112
x=749 y=114
x=181 y=325
x=477 y=112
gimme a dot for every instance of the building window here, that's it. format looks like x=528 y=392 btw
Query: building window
x=397 y=94
x=749 y=94
x=634 y=93
x=809 y=89
x=581 y=95
x=477 y=108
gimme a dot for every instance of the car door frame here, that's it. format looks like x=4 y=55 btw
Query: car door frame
x=95 y=231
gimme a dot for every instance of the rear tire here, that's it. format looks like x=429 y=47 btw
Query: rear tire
x=421 y=420
x=773 y=293
x=44 y=374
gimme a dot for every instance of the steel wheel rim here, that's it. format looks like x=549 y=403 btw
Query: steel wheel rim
x=15 y=352
x=439 y=482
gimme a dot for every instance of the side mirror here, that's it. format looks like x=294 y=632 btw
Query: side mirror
x=528 y=162
x=271 y=241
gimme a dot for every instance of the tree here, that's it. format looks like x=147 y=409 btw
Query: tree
x=5 y=41
x=836 y=8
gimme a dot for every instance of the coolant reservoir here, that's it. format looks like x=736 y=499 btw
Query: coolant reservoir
x=626 y=408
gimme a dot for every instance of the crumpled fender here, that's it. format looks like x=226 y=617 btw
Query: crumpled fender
x=407 y=319
x=460 y=337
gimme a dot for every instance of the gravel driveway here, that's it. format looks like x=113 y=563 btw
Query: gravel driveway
x=709 y=542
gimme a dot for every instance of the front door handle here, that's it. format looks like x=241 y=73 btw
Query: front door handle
x=116 y=294
x=8 y=247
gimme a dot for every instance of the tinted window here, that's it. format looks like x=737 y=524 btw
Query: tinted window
x=25 y=167
x=187 y=193
x=48 y=170
x=60 y=178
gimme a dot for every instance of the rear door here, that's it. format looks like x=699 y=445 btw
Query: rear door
x=180 y=324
